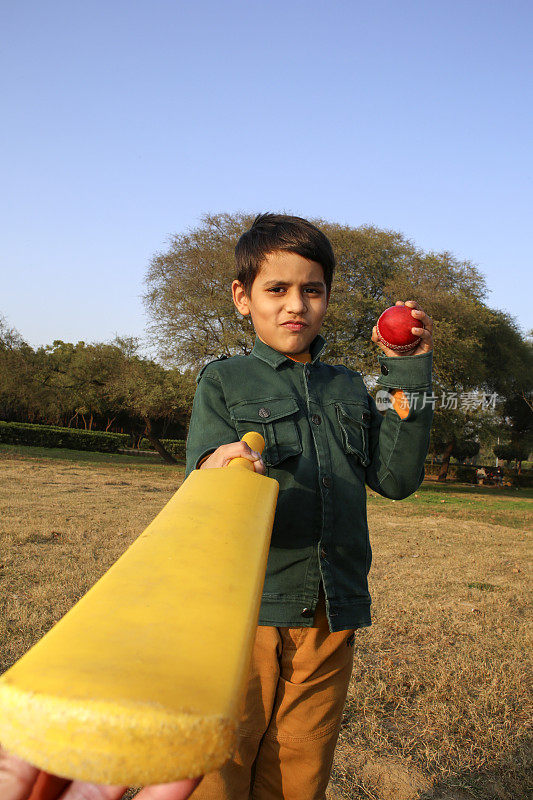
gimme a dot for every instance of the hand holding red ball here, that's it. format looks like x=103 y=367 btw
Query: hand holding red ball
x=404 y=329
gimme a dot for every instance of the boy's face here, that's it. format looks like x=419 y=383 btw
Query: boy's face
x=287 y=302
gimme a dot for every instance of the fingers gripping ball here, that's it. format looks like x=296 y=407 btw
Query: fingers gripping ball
x=394 y=329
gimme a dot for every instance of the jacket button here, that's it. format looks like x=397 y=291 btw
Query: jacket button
x=307 y=612
x=323 y=553
x=316 y=419
x=326 y=481
x=366 y=416
x=384 y=369
x=264 y=413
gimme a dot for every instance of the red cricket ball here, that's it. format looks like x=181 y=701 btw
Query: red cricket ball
x=394 y=329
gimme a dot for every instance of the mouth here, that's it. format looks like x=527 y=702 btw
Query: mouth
x=294 y=325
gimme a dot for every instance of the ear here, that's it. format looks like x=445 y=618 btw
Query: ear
x=240 y=298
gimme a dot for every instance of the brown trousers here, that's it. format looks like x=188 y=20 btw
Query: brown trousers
x=291 y=715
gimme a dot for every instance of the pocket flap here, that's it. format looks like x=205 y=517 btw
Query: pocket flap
x=275 y=420
x=357 y=412
x=265 y=410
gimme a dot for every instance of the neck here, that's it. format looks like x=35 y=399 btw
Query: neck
x=302 y=358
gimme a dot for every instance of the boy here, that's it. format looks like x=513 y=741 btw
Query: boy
x=324 y=439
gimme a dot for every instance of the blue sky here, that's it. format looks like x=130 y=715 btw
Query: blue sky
x=124 y=121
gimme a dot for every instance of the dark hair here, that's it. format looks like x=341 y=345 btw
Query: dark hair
x=274 y=232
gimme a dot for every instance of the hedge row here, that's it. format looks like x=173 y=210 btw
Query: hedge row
x=49 y=436
x=174 y=446
x=467 y=473
x=102 y=442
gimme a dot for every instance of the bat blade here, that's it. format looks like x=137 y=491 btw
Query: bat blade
x=141 y=681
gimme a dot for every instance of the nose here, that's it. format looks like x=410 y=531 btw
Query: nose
x=295 y=302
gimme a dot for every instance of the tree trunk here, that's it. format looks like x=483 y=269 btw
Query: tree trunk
x=445 y=462
x=165 y=455
x=109 y=423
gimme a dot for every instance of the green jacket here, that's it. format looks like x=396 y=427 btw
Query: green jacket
x=324 y=439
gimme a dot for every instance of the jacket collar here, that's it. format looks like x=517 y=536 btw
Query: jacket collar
x=275 y=358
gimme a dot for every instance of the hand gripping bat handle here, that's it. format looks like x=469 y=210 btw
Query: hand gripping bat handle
x=255 y=442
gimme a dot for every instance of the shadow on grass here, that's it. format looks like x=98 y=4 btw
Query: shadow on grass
x=509 y=778
x=388 y=776
x=467 y=489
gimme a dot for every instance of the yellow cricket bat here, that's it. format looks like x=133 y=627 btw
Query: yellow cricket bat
x=142 y=680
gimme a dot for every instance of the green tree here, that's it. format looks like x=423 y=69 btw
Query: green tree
x=151 y=395
x=494 y=359
x=193 y=318
x=513 y=451
x=72 y=379
x=99 y=383
x=107 y=381
x=188 y=299
x=517 y=407
x=21 y=393
x=458 y=433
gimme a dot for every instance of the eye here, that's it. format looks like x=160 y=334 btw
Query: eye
x=276 y=289
x=312 y=290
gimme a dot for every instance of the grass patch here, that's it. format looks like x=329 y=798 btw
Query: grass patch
x=440 y=701
x=483 y=587
x=495 y=505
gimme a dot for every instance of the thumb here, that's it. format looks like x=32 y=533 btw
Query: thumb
x=17 y=777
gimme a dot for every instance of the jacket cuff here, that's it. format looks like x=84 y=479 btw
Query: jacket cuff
x=406 y=372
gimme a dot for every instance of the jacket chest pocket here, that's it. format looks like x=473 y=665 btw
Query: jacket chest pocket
x=276 y=421
x=354 y=422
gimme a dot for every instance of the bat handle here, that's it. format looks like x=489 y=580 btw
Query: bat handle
x=255 y=442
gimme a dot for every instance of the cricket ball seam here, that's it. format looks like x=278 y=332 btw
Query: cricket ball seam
x=401 y=347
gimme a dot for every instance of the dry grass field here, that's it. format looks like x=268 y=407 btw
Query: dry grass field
x=440 y=697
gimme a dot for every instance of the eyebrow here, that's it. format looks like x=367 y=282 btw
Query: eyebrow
x=287 y=283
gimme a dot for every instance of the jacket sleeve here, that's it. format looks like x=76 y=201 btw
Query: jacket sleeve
x=398 y=447
x=210 y=424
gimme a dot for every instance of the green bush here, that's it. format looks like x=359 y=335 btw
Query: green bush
x=175 y=446
x=466 y=474
x=431 y=469
x=72 y=438
x=434 y=469
x=524 y=481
